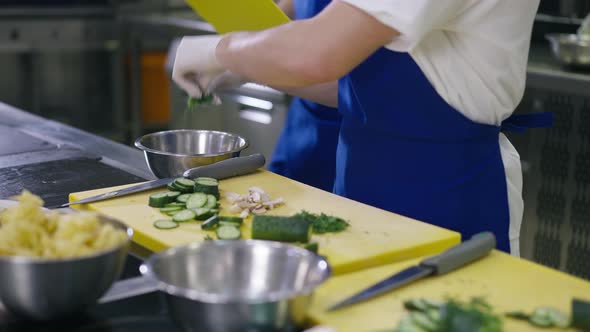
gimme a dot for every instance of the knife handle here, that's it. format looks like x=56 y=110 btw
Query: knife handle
x=478 y=246
x=228 y=167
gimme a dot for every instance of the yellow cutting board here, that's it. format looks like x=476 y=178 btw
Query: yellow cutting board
x=375 y=236
x=239 y=15
x=508 y=283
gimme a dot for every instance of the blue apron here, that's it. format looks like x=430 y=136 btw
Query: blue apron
x=402 y=148
x=306 y=149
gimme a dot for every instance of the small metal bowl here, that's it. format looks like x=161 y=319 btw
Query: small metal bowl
x=43 y=289
x=235 y=286
x=570 y=49
x=170 y=153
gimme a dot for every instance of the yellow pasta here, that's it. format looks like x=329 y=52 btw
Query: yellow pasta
x=27 y=230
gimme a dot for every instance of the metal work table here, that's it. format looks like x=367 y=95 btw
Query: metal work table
x=545 y=73
x=45 y=157
x=68 y=139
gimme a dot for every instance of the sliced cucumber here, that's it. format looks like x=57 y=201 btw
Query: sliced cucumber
x=159 y=199
x=210 y=223
x=196 y=201
x=165 y=224
x=228 y=233
x=175 y=204
x=184 y=183
x=541 y=321
x=172 y=213
x=183 y=198
x=171 y=209
x=184 y=216
x=211 y=202
x=234 y=220
x=172 y=186
x=555 y=317
x=207 y=187
x=285 y=229
x=203 y=213
x=207 y=180
x=173 y=194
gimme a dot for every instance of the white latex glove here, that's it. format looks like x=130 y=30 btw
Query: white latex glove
x=224 y=81
x=196 y=65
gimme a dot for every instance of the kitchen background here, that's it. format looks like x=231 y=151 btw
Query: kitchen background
x=104 y=66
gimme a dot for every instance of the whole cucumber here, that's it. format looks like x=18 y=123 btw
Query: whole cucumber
x=284 y=229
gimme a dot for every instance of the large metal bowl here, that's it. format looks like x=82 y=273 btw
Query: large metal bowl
x=43 y=289
x=570 y=49
x=170 y=153
x=237 y=285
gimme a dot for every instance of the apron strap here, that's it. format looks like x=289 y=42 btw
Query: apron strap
x=519 y=123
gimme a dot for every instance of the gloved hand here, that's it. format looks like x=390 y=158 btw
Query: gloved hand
x=196 y=64
x=224 y=81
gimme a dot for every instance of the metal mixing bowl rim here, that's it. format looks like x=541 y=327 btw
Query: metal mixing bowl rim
x=147 y=271
x=38 y=260
x=144 y=148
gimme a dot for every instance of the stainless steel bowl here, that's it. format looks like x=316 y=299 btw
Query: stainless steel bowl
x=237 y=285
x=570 y=49
x=170 y=153
x=44 y=289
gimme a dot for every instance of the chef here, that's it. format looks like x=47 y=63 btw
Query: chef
x=424 y=87
x=306 y=149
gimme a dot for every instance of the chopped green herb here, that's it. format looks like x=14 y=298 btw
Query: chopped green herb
x=208 y=238
x=323 y=223
x=192 y=102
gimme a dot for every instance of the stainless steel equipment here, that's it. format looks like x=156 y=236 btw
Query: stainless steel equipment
x=232 y=285
x=219 y=170
x=475 y=248
x=170 y=153
x=252 y=111
x=50 y=288
x=571 y=49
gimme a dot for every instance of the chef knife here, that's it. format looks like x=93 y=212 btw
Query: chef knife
x=219 y=170
x=477 y=247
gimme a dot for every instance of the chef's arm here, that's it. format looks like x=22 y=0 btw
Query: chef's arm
x=287 y=7
x=306 y=52
x=322 y=93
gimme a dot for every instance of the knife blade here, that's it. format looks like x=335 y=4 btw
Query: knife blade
x=220 y=170
x=477 y=247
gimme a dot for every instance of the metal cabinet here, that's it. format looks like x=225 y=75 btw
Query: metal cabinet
x=556 y=168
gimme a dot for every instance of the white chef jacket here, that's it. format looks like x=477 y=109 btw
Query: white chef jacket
x=487 y=43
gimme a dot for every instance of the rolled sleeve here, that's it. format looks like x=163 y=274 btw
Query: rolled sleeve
x=413 y=19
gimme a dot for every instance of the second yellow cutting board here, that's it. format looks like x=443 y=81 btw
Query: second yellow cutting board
x=375 y=237
x=239 y=15
x=507 y=283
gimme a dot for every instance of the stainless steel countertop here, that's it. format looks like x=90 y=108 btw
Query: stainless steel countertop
x=546 y=73
x=114 y=154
